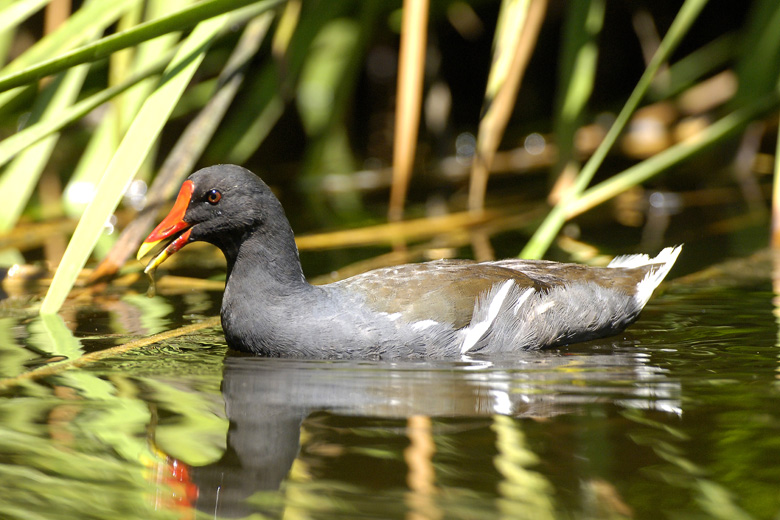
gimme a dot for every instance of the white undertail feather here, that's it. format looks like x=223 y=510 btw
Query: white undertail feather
x=663 y=262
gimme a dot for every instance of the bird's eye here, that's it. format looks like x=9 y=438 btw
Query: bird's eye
x=213 y=196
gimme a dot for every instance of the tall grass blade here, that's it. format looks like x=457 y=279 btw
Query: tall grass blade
x=11 y=146
x=188 y=147
x=73 y=32
x=11 y=14
x=17 y=12
x=758 y=64
x=288 y=23
x=132 y=151
x=22 y=174
x=121 y=112
x=102 y=48
x=722 y=129
x=76 y=30
x=579 y=57
x=700 y=63
x=545 y=234
x=6 y=40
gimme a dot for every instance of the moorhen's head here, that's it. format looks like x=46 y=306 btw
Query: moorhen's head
x=220 y=205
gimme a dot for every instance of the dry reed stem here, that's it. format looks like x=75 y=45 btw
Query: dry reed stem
x=499 y=109
x=388 y=233
x=55 y=15
x=411 y=67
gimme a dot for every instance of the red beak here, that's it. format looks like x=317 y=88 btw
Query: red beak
x=169 y=227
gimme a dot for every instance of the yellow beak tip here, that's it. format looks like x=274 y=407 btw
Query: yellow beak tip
x=144 y=249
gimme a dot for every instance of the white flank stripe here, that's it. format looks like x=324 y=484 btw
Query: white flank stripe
x=544 y=307
x=522 y=299
x=477 y=330
x=498 y=300
x=424 y=324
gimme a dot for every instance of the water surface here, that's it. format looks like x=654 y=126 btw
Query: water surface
x=676 y=418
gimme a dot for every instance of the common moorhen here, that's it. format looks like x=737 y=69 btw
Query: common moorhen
x=445 y=308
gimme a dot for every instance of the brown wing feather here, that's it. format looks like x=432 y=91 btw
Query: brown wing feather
x=444 y=291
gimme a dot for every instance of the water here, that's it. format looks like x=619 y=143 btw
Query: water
x=676 y=418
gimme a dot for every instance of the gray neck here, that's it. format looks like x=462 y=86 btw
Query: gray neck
x=266 y=261
x=266 y=294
